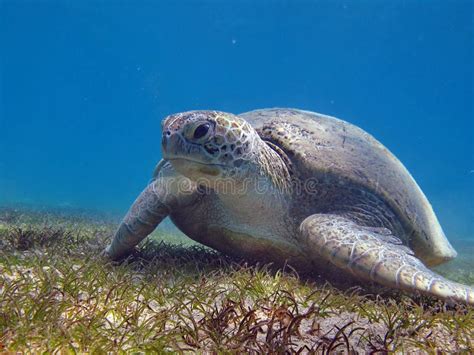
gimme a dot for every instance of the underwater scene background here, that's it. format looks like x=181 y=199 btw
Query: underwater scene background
x=84 y=86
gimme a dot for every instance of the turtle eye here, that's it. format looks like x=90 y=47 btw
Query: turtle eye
x=201 y=130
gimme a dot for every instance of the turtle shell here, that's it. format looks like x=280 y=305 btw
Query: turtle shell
x=339 y=154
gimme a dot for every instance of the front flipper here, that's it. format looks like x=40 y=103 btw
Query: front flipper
x=146 y=213
x=375 y=254
x=166 y=192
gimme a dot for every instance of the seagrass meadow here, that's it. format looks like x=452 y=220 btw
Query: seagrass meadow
x=58 y=295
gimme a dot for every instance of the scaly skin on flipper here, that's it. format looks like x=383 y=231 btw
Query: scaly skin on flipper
x=145 y=214
x=374 y=254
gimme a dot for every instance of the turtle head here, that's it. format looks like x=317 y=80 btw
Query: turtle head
x=208 y=144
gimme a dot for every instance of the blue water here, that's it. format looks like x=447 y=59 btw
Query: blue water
x=84 y=85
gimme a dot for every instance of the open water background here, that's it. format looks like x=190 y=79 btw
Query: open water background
x=84 y=85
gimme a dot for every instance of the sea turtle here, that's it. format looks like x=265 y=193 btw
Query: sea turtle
x=297 y=187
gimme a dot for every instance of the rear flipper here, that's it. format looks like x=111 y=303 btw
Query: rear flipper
x=375 y=254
